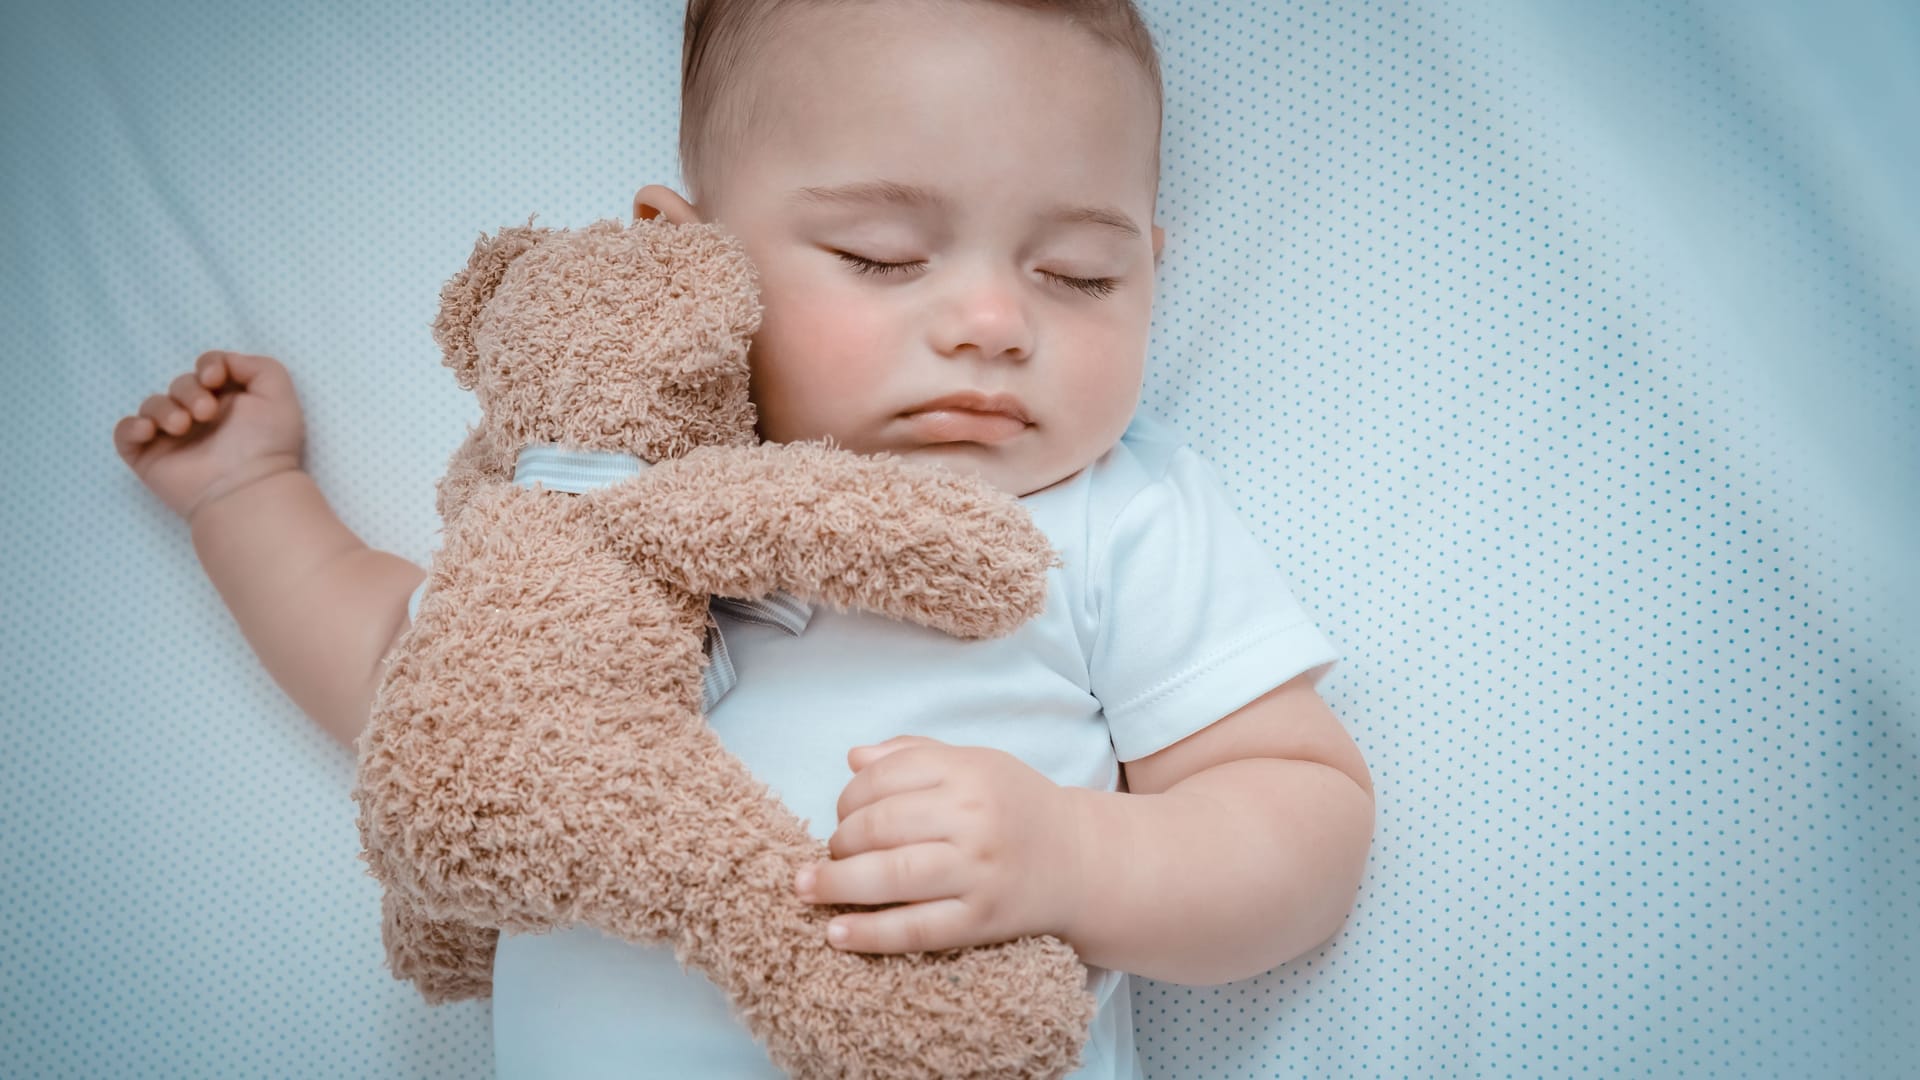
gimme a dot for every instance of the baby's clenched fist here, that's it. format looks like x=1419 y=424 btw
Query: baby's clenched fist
x=230 y=421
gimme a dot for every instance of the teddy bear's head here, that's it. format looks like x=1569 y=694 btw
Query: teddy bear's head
x=629 y=338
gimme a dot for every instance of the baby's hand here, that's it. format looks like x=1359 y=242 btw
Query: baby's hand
x=974 y=845
x=230 y=421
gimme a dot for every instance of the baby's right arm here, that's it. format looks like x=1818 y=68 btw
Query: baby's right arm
x=222 y=448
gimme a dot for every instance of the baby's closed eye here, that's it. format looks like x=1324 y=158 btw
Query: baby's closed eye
x=1097 y=287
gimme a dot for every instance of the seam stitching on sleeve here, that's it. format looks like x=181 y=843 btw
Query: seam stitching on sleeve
x=1192 y=671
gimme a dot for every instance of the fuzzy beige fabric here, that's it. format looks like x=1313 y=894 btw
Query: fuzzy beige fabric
x=537 y=757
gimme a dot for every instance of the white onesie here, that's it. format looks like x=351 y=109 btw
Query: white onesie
x=1167 y=616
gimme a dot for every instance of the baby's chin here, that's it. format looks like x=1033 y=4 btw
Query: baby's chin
x=1019 y=467
x=993 y=464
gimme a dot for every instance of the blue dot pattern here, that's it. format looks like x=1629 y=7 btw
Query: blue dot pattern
x=1564 y=354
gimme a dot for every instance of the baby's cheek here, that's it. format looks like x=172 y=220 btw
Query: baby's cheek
x=1114 y=390
x=818 y=369
x=1099 y=379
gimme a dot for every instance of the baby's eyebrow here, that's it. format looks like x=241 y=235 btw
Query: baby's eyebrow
x=895 y=193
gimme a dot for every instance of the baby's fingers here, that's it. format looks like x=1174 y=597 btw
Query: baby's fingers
x=131 y=433
x=166 y=414
x=193 y=397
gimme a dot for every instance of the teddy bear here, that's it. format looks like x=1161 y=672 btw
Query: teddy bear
x=537 y=755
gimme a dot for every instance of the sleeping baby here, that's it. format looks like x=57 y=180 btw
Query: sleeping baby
x=949 y=205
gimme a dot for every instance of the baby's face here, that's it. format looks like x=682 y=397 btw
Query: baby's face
x=1003 y=162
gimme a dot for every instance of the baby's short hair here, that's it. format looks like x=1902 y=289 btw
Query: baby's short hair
x=722 y=34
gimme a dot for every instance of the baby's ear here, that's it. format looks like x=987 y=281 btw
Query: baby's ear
x=469 y=290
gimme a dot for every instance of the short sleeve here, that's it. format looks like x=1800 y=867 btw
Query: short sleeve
x=1194 y=620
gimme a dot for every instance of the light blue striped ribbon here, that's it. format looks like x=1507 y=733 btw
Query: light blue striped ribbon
x=560 y=468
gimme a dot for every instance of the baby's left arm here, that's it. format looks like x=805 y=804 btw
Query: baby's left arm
x=1238 y=848
x=1233 y=851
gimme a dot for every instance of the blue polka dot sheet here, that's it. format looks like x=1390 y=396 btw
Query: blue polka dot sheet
x=1565 y=355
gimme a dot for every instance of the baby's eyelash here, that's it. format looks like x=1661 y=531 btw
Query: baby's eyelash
x=869 y=266
x=1096 y=287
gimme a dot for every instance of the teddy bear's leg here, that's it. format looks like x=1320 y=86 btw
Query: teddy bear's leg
x=446 y=960
x=1018 y=1009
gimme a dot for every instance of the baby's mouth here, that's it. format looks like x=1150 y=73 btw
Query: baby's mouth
x=944 y=425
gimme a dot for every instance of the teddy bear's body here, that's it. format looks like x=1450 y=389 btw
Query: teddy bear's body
x=537 y=756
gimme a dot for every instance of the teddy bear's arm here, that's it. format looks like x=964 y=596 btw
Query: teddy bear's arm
x=908 y=541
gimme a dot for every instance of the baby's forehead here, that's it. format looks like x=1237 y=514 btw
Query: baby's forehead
x=824 y=40
x=888 y=96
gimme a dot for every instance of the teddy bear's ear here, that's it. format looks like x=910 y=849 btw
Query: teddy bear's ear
x=469 y=290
